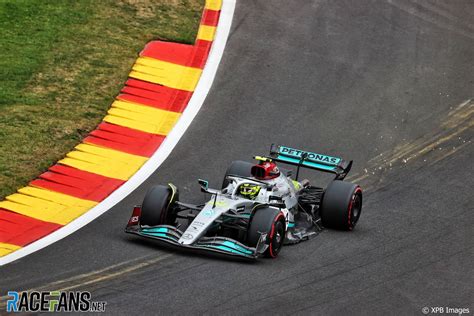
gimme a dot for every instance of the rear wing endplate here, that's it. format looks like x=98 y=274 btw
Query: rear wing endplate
x=311 y=160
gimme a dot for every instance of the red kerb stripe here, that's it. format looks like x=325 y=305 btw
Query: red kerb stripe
x=210 y=17
x=125 y=139
x=181 y=54
x=77 y=183
x=20 y=230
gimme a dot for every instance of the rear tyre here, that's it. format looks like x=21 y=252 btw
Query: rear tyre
x=156 y=207
x=271 y=222
x=341 y=205
x=237 y=168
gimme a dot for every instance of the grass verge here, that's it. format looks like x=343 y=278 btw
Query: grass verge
x=62 y=64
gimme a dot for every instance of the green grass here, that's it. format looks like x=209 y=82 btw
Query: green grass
x=62 y=63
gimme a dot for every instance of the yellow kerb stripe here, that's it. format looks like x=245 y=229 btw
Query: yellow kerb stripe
x=213 y=5
x=46 y=205
x=141 y=117
x=104 y=161
x=5 y=248
x=165 y=73
x=206 y=32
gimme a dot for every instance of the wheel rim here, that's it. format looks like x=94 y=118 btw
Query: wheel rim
x=277 y=239
x=355 y=208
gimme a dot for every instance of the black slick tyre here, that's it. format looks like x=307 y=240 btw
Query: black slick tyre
x=272 y=222
x=341 y=205
x=156 y=208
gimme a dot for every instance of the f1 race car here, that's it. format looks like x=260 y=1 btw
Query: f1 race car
x=258 y=209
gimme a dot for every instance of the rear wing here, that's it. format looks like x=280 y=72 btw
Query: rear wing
x=310 y=160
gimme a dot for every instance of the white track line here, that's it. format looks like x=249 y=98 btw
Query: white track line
x=195 y=103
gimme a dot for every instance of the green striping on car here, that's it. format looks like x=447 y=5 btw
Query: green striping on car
x=230 y=247
x=306 y=163
x=155 y=230
x=158 y=235
x=328 y=160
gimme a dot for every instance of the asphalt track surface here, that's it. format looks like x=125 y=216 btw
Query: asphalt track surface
x=385 y=83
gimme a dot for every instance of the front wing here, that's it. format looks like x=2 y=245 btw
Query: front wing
x=225 y=246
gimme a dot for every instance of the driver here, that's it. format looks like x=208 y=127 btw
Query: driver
x=265 y=170
x=249 y=190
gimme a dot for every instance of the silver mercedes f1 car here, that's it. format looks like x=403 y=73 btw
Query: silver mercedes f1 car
x=259 y=208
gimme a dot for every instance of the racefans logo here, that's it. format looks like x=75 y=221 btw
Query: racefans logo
x=55 y=301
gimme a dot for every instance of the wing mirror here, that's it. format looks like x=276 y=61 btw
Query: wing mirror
x=204 y=185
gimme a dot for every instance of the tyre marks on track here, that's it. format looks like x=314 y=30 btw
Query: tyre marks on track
x=434 y=7
x=100 y=276
x=454 y=134
x=439 y=17
x=297 y=289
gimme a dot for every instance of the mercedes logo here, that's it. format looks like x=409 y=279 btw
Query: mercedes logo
x=187 y=236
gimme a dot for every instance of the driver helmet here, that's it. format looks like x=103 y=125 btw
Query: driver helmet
x=249 y=190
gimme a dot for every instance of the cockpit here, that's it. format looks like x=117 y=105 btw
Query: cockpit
x=248 y=188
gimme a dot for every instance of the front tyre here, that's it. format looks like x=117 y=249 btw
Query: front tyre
x=271 y=222
x=156 y=207
x=341 y=205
